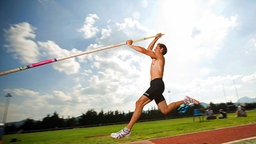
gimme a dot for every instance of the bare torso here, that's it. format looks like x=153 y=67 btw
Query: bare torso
x=157 y=68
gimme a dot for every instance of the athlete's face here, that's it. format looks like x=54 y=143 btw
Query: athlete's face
x=158 y=49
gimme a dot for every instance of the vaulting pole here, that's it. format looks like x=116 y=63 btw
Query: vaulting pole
x=64 y=58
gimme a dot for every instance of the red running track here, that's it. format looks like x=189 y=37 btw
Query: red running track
x=217 y=136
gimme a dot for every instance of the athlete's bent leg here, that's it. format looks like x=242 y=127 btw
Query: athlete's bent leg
x=165 y=109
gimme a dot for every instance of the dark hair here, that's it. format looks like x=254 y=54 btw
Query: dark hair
x=164 y=48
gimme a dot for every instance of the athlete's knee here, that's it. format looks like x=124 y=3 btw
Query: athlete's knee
x=164 y=111
x=139 y=104
x=162 y=106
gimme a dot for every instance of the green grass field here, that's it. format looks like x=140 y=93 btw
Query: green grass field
x=141 y=131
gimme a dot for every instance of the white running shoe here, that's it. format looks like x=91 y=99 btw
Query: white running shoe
x=190 y=101
x=121 y=134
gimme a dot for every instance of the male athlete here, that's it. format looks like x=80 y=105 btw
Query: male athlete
x=156 y=86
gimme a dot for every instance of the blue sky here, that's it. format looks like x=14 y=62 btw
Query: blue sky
x=211 y=53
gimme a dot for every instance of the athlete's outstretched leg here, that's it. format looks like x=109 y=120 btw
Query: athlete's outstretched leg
x=140 y=103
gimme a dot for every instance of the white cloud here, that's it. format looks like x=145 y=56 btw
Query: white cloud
x=88 y=29
x=22 y=44
x=27 y=103
x=194 y=35
x=20 y=38
x=213 y=30
x=130 y=25
x=113 y=73
x=105 y=33
x=216 y=88
x=52 y=50
x=61 y=96
x=23 y=92
x=251 y=48
x=250 y=78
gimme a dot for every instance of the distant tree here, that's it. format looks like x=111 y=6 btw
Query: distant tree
x=231 y=107
x=250 y=106
x=69 y=122
x=222 y=106
x=119 y=116
x=52 y=121
x=101 y=118
x=109 y=117
x=89 y=118
x=30 y=124
x=214 y=107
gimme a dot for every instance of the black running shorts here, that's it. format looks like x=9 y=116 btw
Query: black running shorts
x=155 y=91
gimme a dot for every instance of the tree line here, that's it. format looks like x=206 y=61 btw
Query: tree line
x=93 y=118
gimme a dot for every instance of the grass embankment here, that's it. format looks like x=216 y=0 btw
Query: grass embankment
x=141 y=131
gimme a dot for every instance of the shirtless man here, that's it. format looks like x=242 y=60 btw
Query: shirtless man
x=156 y=86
